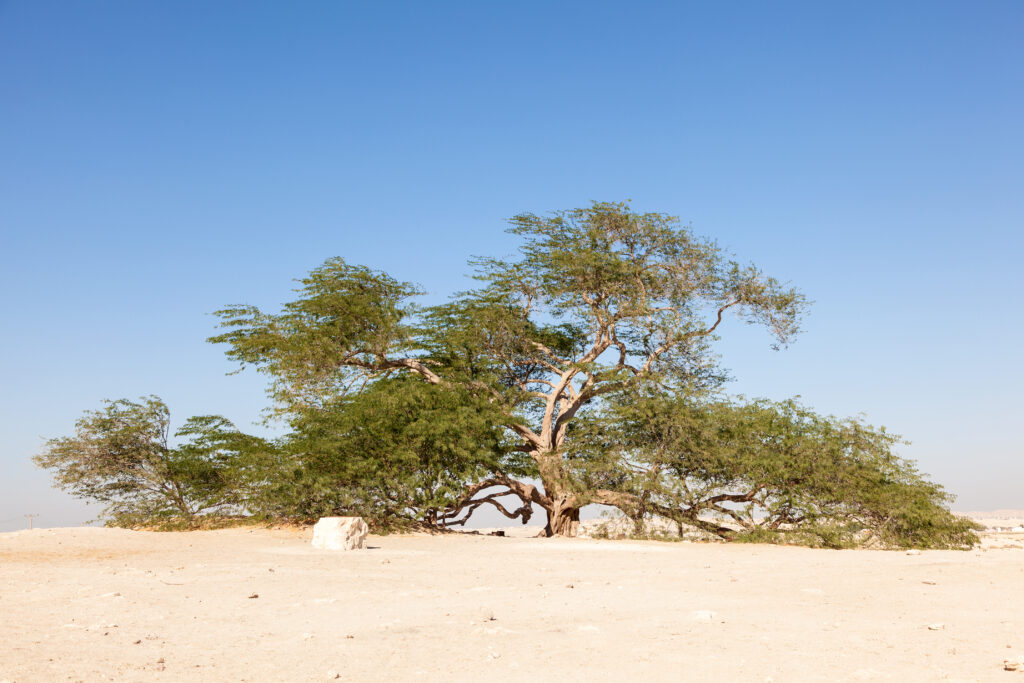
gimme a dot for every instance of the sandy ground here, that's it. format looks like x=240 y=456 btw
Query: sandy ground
x=262 y=605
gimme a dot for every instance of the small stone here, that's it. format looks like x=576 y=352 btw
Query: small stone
x=913 y=552
x=936 y=627
x=340 y=533
x=704 y=616
x=254 y=596
x=333 y=675
x=928 y=583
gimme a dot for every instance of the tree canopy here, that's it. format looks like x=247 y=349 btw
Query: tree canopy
x=121 y=456
x=582 y=370
x=599 y=298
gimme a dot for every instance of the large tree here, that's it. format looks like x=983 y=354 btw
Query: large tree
x=598 y=300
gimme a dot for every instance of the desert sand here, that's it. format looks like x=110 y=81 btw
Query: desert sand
x=254 y=604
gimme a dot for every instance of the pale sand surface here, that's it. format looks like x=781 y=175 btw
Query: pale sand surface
x=107 y=604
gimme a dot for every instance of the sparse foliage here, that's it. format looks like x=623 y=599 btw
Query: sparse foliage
x=122 y=456
x=763 y=470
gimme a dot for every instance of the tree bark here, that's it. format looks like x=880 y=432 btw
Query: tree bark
x=559 y=502
x=563 y=519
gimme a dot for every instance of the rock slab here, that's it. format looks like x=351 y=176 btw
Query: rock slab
x=340 y=533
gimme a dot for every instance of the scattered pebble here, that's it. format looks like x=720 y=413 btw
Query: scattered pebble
x=913 y=552
x=254 y=596
x=936 y=627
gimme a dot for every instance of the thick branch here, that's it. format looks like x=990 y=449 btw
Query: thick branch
x=548 y=352
x=628 y=502
x=448 y=517
x=383 y=364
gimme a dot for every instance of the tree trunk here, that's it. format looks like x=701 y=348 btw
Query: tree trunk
x=562 y=507
x=563 y=519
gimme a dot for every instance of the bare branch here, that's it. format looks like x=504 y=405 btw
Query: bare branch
x=448 y=518
x=653 y=357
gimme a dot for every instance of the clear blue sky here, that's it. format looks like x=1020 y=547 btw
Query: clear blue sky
x=161 y=159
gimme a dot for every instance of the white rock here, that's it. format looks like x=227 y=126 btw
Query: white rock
x=936 y=627
x=340 y=533
x=703 y=615
x=913 y=552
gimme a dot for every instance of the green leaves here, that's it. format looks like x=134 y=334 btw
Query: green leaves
x=760 y=467
x=345 y=325
x=598 y=299
x=587 y=360
x=120 y=456
x=391 y=453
